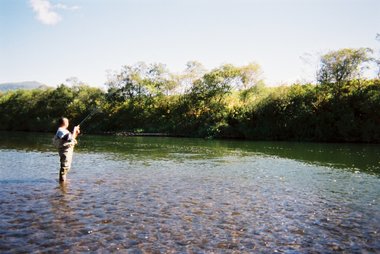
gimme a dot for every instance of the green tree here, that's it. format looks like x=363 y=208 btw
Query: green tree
x=128 y=83
x=251 y=75
x=158 y=80
x=194 y=71
x=339 y=67
x=251 y=81
x=206 y=108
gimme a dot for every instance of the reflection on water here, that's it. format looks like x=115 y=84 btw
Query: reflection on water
x=363 y=157
x=179 y=195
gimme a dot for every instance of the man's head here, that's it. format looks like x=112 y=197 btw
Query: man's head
x=63 y=122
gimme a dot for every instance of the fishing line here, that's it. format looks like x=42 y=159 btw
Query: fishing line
x=97 y=109
x=93 y=112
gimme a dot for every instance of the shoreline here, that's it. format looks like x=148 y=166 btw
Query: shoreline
x=161 y=134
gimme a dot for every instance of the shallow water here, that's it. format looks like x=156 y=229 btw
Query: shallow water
x=170 y=195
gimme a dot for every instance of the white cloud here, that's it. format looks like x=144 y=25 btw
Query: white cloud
x=66 y=7
x=45 y=11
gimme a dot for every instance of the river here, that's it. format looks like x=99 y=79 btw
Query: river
x=177 y=195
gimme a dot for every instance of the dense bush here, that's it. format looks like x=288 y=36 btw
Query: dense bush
x=227 y=102
x=297 y=112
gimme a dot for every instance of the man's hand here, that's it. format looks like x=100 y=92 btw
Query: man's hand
x=76 y=130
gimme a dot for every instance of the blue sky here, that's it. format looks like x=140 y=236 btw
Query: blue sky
x=51 y=40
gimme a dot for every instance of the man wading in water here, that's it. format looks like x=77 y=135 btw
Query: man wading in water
x=65 y=141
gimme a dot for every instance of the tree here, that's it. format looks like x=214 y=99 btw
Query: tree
x=73 y=81
x=251 y=75
x=140 y=80
x=194 y=71
x=339 y=67
x=205 y=103
x=158 y=80
x=378 y=60
x=217 y=83
x=127 y=84
x=250 y=80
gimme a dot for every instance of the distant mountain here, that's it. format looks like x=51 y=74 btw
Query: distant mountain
x=27 y=85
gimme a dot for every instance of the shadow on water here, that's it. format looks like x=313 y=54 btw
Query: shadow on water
x=363 y=157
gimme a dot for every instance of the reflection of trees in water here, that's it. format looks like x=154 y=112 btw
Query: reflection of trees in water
x=147 y=149
x=41 y=142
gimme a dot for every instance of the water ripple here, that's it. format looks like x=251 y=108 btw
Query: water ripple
x=230 y=204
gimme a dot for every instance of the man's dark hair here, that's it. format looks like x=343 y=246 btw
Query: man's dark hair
x=61 y=121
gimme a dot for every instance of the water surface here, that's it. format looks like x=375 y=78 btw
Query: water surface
x=174 y=195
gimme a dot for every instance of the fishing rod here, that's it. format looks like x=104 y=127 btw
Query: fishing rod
x=93 y=112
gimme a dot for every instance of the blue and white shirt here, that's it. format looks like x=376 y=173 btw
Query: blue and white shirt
x=64 y=134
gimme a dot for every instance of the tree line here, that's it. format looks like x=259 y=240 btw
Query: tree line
x=226 y=102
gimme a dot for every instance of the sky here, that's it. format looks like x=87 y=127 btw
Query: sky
x=50 y=41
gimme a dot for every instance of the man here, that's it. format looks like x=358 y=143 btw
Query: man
x=65 y=141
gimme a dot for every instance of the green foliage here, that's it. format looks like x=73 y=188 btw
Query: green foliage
x=227 y=102
x=341 y=66
x=38 y=109
x=139 y=81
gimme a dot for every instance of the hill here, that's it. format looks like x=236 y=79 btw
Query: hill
x=27 y=85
